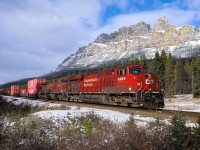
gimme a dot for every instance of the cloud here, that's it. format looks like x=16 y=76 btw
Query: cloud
x=38 y=35
x=175 y=17
x=192 y=4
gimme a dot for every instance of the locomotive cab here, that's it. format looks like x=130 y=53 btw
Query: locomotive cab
x=146 y=85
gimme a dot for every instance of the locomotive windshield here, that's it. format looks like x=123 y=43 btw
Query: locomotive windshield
x=138 y=70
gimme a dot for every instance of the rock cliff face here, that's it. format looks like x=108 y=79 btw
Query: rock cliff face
x=131 y=42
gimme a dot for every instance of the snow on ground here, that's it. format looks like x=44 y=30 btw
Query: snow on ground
x=18 y=101
x=73 y=111
x=183 y=102
x=113 y=116
x=117 y=117
x=183 y=96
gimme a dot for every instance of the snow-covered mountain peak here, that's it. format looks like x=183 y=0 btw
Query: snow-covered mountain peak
x=161 y=24
x=132 y=41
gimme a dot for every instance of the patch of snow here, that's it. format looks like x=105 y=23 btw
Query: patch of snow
x=78 y=112
x=145 y=37
x=183 y=102
x=194 y=110
x=178 y=28
x=122 y=55
x=100 y=44
x=18 y=101
x=193 y=42
x=183 y=96
x=161 y=31
x=114 y=116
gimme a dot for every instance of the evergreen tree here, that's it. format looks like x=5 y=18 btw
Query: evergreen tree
x=143 y=60
x=158 y=68
x=179 y=132
x=187 y=75
x=169 y=76
x=114 y=64
x=196 y=77
x=105 y=66
x=156 y=64
x=127 y=62
x=163 y=56
x=195 y=142
x=179 y=76
x=136 y=61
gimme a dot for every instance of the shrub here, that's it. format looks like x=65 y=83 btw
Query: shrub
x=195 y=141
x=196 y=93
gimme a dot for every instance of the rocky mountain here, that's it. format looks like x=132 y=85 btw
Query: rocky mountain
x=131 y=42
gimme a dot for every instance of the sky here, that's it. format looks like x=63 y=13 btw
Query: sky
x=37 y=35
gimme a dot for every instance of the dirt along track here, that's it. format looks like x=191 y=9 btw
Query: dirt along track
x=161 y=113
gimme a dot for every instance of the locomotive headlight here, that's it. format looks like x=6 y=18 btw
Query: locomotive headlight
x=138 y=84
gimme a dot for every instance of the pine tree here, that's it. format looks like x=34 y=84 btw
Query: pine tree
x=136 y=61
x=196 y=77
x=163 y=56
x=105 y=66
x=179 y=132
x=143 y=60
x=156 y=64
x=179 y=73
x=114 y=64
x=195 y=142
x=158 y=68
x=169 y=77
x=188 y=78
x=127 y=62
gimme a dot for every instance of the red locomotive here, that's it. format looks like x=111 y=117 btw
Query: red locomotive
x=132 y=86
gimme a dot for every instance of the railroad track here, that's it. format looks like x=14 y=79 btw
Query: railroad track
x=161 y=113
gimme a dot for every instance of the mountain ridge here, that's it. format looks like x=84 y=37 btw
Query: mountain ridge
x=135 y=40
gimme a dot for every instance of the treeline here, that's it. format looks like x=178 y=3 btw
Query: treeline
x=177 y=76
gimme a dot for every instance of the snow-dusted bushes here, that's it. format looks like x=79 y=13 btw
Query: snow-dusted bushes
x=93 y=132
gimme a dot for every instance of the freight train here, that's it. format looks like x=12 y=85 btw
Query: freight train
x=132 y=86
